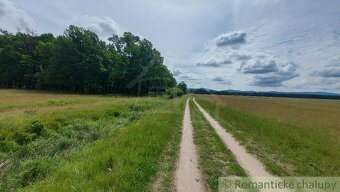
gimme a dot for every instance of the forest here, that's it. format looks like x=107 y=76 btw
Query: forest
x=79 y=61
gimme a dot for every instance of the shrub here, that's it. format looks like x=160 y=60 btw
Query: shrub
x=174 y=92
x=113 y=113
x=36 y=127
x=23 y=137
x=33 y=170
x=30 y=133
x=7 y=146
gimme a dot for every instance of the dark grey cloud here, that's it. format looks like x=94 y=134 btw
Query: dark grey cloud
x=221 y=80
x=2 y=9
x=260 y=67
x=231 y=39
x=274 y=75
x=274 y=80
x=329 y=81
x=336 y=34
x=327 y=73
x=5 y=7
x=177 y=72
x=214 y=63
x=332 y=69
x=334 y=63
x=189 y=77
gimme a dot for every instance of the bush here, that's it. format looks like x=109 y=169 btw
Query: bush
x=7 y=146
x=30 y=133
x=174 y=92
x=36 y=127
x=113 y=113
x=23 y=137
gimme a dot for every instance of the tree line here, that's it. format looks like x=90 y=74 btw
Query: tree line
x=79 y=61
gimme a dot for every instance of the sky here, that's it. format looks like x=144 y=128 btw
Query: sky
x=261 y=45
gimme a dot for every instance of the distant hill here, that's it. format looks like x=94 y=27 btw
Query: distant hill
x=305 y=93
x=274 y=92
x=238 y=91
x=320 y=95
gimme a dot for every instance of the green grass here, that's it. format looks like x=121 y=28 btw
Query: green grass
x=127 y=160
x=215 y=159
x=164 y=180
x=37 y=150
x=56 y=113
x=285 y=148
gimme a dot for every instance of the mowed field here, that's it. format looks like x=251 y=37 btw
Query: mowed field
x=293 y=137
x=69 y=142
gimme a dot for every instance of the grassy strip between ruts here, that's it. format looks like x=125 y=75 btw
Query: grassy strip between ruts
x=286 y=149
x=126 y=161
x=216 y=160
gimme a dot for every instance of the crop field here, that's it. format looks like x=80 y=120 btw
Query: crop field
x=293 y=137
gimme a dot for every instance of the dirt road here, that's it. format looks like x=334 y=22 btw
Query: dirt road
x=252 y=166
x=188 y=175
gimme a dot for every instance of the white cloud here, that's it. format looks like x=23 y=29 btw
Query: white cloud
x=214 y=63
x=259 y=67
x=103 y=26
x=11 y=17
x=231 y=39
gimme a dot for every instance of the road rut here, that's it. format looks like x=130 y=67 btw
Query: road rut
x=252 y=166
x=188 y=175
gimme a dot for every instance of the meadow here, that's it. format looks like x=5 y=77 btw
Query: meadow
x=54 y=141
x=293 y=137
x=108 y=141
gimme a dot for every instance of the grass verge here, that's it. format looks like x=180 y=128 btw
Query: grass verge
x=126 y=161
x=285 y=148
x=164 y=181
x=216 y=160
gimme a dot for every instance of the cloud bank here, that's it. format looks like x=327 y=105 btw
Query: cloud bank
x=261 y=69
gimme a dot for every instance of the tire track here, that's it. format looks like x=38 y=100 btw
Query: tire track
x=188 y=175
x=252 y=166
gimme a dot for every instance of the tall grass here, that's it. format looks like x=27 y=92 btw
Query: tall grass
x=285 y=147
x=126 y=161
x=33 y=145
x=54 y=111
